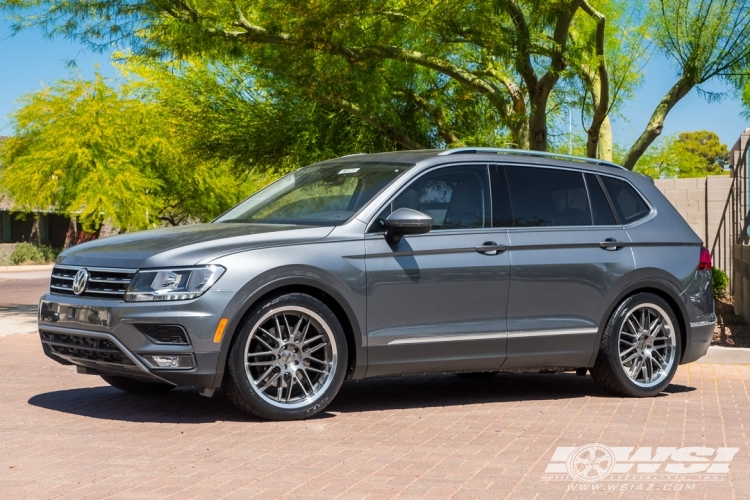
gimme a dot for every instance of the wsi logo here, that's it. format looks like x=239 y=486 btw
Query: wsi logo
x=597 y=462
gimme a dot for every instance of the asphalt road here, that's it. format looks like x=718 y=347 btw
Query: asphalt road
x=21 y=292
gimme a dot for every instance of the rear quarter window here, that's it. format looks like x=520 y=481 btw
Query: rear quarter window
x=628 y=204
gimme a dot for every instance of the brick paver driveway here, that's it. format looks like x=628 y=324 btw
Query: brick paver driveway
x=64 y=435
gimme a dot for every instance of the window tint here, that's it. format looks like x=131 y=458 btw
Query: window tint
x=628 y=203
x=455 y=198
x=603 y=215
x=547 y=197
x=501 y=212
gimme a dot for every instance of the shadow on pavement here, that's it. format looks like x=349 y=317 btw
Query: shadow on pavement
x=18 y=309
x=184 y=405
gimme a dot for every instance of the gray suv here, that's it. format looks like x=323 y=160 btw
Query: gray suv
x=470 y=261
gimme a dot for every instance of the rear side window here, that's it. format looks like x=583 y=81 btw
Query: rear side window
x=603 y=215
x=547 y=197
x=629 y=205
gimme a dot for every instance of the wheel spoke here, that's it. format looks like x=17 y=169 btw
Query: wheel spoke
x=314 y=349
x=312 y=340
x=310 y=368
x=288 y=329
x=278 y=329
x=630 y=358
x=260 y=353
x=291 y=385
x=270 y=335
x=261 y=363
x=270 y=381
x=296 y=328
x=633 y=328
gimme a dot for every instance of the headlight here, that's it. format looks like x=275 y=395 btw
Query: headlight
x=172 y=284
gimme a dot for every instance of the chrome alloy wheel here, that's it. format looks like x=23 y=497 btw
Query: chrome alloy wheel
x=290 y=357
x=647 y=345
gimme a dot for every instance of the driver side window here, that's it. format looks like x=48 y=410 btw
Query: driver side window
x=455 y=197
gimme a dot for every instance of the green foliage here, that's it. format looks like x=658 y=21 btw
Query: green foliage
x=422 y=75
x=99 y=152
x=719 y=282
x=690 y=154
x=26 y=253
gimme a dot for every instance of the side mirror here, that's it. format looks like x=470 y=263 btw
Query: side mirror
x=406 y=221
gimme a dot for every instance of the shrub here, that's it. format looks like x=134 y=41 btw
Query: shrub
x=37 y=254
x=719 y=282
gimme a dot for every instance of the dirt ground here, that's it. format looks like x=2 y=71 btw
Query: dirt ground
x=731 y=330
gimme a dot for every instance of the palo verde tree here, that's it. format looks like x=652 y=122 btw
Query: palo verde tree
x=432 y=74
x=424 y=75
x=705 y=39
x=92 y=150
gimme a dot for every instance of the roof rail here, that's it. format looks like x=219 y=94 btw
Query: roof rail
x=525 y=152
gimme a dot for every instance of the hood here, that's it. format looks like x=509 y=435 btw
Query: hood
x=185 y=245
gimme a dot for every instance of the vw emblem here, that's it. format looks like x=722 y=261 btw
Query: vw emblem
x=80 y=281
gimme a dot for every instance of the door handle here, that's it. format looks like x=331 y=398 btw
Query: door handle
x=611 y=244
x=491 y=248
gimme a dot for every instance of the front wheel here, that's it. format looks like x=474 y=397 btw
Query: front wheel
x=640 y=348
x=288 y=361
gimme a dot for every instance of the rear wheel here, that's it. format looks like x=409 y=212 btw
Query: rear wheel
x=136 y=386
x=288 y=361
x=640 y=348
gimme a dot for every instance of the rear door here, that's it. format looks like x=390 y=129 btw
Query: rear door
x=437 y=301
x=568 y=260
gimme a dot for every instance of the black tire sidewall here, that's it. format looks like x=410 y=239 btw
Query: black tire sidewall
x=615 y=324
x=257 y=404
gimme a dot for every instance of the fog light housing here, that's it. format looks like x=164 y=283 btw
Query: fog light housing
x=169 y=360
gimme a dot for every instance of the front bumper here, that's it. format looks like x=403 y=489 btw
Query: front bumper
x=100 y=336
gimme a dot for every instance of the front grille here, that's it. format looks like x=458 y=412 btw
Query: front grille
x=164 y=334
x=104 y=283
x=84 y=348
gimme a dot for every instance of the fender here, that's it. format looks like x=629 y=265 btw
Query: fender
x=664 y=284
x=282 y=277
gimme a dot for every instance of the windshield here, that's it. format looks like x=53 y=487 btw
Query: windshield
x=320 y=195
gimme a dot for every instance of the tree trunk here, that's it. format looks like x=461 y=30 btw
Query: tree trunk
x=35 y=237
x=605 y=140
x=72 y=235
x=538 y=122
x=656 y=123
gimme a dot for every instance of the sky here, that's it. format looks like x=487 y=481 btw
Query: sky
x=28 y=59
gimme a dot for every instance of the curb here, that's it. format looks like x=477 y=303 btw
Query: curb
x=23 y=269
x=726 y=356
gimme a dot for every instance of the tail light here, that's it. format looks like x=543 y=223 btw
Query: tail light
x=705 y=259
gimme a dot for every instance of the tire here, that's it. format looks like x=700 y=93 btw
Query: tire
x=136 y=386
x=631 y=361
x=288 y=360
x=477 y=375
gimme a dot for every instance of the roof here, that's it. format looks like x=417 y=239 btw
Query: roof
x=539 y=158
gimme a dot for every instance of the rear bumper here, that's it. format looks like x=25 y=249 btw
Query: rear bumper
x=698 y=340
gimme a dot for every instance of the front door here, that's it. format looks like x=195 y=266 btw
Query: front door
x=437 y=301
x=567 y=265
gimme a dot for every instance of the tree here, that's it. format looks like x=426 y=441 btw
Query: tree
x=419 y=74
x=690 y=154
x=706 y=39
x=96 y=152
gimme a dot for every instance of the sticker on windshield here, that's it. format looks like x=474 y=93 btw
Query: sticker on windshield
x=348 y=171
